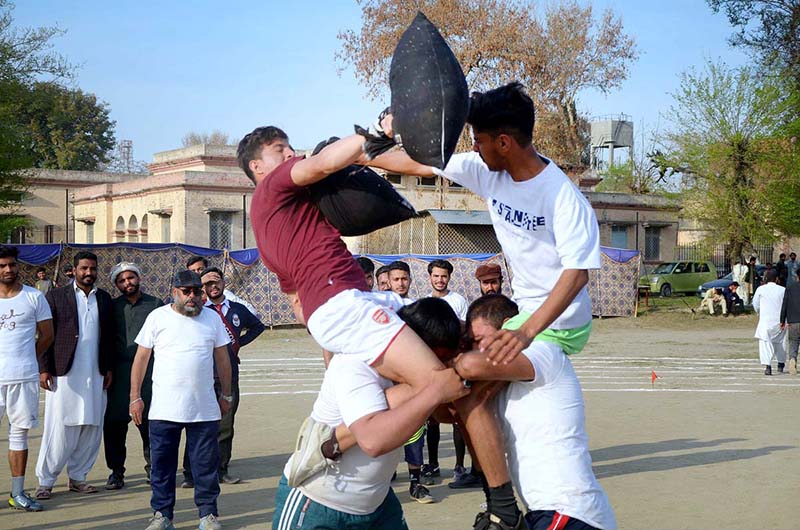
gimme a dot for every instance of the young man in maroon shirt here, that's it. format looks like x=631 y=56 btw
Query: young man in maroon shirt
x=328 y=292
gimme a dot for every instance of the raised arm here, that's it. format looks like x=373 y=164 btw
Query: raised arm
x=336 y=156
x=399 y=162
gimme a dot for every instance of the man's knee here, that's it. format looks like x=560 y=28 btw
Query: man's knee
x=17 y=438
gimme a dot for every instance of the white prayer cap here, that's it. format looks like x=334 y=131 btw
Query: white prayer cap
x=122 y=267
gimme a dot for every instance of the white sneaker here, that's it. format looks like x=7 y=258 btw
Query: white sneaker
x=307 y=459
x=210 y=522
x=159 y=522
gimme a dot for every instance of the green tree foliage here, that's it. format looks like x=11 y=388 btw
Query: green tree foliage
x=725 y=133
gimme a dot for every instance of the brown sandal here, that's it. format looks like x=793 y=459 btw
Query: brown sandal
x=43 y=493
x=81 y=487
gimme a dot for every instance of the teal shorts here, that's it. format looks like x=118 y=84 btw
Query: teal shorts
x=304 y=514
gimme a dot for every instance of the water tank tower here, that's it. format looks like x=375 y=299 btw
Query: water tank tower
x=607 y=134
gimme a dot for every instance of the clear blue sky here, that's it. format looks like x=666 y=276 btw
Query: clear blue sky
x=167 y=68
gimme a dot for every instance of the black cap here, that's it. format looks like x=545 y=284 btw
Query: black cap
x=187 y=278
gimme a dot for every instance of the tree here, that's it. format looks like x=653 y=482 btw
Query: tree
x=215 y=137
x=496 y=41
x=723 y=139
x=14 y=180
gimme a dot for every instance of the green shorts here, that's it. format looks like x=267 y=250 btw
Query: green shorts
x=304 y=514
x=570 y=340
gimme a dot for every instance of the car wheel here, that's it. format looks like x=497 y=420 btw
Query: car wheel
x=666 y=290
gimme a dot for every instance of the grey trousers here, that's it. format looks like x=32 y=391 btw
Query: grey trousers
x=793 y=333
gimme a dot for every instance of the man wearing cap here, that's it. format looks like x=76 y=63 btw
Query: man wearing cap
x=490 y=278
x=190 y=341
x=130 y=311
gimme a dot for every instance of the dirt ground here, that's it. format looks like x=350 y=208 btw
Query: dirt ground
x=712 y=444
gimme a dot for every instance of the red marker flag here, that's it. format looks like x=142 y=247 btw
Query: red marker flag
x=653 y=377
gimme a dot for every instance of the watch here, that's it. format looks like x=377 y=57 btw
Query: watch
x=229 y=399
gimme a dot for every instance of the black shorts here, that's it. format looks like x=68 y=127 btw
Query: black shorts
x=552 y=520
x=414 y=452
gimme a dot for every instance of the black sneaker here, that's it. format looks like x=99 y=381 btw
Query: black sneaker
x=768 y=370
x=467 y=480
x=115 y=481
x=420 y=494
x=429 y=470
x=489 y=521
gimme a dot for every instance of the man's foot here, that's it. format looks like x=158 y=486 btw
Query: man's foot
x=420 y=494
x=81 y=487
x=458 y=472
x=159 y=522
x=467 y=480
x=781 y=367
x=307 y=459
x=43 y=493
x=489 y=521
x=115 y=481
x=225 y=478
x=429 y=471
x=767 y=369
x=793 y=366
x=210 y=522
x=187 y=484
x=24 y=502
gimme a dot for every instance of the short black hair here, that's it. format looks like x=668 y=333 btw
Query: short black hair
x=734 y=284
x=783 y=255
x=250 y=146
x=494 y=308
x=383 y=269
x=504 y=110
x=440 y=264
x=366 y=265
x=9 y=252
x=40 y=269
x=67 y=268
x=194 y=259
x=399 y=266
x=770 y=275
x=434 y=321
x=212 y=269
x=83 y=254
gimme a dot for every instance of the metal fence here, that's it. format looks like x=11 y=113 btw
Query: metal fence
x=717 y=254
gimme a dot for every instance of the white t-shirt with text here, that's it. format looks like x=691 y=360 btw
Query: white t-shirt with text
x=544 y=225
x=18 y=318
x=546 y=442
x=359 y=484
x=183 y=363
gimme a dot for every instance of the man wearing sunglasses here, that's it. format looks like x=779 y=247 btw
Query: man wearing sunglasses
x=188 y=341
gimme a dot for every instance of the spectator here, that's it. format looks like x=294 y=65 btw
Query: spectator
x=369 y=271
x=198 y=264
x=68 y=272
x=753 y=279
x=400 y=279
x=189 y=340
x=781 y=269
x=131 y=309
x=43 y=283
x=790 y=320
x=75 y=371
x=791 y=269
x=490 y=278
x=382 y=278
x=767 y=302
x=734 y=301
x=26 y=328
x=740 y=276
x=714 y=298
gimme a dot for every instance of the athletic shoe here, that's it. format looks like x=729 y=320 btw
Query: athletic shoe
x=225 y=478
x=187 y=484
x=420 y=494
x=489 y=521
x=467 y=480
x=768 y=370
x=210 y=522
x=307 y=459
x=429 y=470
x=159 y=522
x=24 y=502
x=458 y=472
x=115 y=481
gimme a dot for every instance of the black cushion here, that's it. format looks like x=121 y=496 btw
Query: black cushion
x=356 y=200
x=430 y=100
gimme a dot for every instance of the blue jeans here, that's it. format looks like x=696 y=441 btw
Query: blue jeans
x=203 y=450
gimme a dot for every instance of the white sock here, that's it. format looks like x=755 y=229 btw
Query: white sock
x=17 y=485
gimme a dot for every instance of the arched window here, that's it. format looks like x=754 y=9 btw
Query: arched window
x=119 y=229
x=133 y=230
x=143 y=229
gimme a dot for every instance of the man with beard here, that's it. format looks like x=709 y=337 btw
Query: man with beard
x=75 y=371
x=190 y=341
x=490 y=278
x=382 y=278
x=24 y=313
x=130 y=311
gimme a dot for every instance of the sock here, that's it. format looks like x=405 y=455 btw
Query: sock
x=461 y=447
x=17 y=485
x=414 y=474
x=503 y=504
x=433 y=435
x=485 y=486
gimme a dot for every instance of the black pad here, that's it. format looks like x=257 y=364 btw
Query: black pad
x=430 y=100
x=357 y=201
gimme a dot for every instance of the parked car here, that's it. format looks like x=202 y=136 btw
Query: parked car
x=678 y=277
x=726 y=281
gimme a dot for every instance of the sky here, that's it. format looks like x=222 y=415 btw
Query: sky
x=167 y=68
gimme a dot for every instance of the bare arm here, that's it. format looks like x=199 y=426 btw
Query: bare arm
x=336 y=156
x=505 y=344
x=398 y=161
x=44 y=340
x=138 y=370
x=474 y=366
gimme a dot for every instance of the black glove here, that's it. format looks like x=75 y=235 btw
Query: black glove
x=377 y=141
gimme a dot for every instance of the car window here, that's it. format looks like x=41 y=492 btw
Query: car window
x=701 y=267
x=682 y=268
x=664 y=268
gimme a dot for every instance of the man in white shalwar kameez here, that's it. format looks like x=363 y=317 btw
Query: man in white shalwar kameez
x=739 y=274
x=75 y=402
x=767 y=302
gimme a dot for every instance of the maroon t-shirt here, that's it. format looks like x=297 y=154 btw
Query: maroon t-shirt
x=298 y=244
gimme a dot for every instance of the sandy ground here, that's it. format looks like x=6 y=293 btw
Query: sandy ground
x=713 y=444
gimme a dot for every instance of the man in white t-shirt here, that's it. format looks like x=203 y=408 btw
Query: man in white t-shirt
x=356 y=492
x=24 y=312
x=190 y=343
x=540 y=217
x=540 y=403
x=440 y=271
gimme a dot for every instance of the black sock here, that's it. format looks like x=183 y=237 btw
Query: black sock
x=433 y=436
x=485 y=486
x=414 y=474
x=503 y=504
